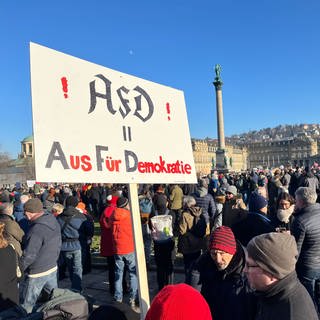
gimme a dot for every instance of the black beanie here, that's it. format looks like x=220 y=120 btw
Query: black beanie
x=72 y=201
x=122 y=202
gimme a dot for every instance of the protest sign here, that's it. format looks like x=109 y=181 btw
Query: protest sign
x=95 y=124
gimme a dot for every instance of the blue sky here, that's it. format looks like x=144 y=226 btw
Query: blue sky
x=269 y=52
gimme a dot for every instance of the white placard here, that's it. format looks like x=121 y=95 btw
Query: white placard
x=94 y=124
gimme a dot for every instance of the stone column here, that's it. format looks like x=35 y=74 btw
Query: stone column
x=220 y=122
x=222 y=160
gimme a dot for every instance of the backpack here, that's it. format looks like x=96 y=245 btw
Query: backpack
x=65 y=304
x=145 y=205
x=199 y=227
x=161 y=227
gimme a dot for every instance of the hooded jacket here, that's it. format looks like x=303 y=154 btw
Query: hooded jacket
x=205 y=201
x=42 y=245
x=189 y=243
x=122 y=235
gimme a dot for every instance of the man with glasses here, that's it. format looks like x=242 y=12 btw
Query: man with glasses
x=219 y=271
x=270 y=270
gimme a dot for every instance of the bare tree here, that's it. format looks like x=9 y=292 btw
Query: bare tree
x=4 y=160
x=30 y=169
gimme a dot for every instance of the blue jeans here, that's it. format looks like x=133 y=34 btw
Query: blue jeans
x=310 y=278
x=74 y=265
x=34 y=286
x=128 y=260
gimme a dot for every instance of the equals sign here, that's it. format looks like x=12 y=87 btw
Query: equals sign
x=126 y=133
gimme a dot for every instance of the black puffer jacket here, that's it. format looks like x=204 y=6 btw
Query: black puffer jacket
x=225 y=291
x=205 y=201
x=287 y=299
x=306 y=230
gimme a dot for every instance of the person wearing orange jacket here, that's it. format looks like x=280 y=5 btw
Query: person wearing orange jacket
x=123 y=245
x=106 y=246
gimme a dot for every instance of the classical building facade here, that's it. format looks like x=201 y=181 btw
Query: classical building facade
x=290 y=151
x=204 y=154
x=21 y=169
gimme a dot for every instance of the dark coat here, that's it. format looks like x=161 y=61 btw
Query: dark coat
x=77 y=226
x=205 y=201
x=18 y=213
x=287 y=299
x=306 y=230
x=225 y=291
x=233 y=211
x=252 y=225
x=9 y=295
x=42 y=245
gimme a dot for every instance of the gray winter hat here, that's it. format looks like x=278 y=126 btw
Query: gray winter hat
x=274 y=252
x=232 y=189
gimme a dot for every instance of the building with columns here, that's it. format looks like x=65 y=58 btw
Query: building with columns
x=290 y=151
x=27 y=148
x=20 y=169
x=204 y=154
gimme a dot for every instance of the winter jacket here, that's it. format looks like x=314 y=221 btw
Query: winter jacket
x=252 y=224
x=9 y=293
x=76 y=224
x=306 y=230
x=106 y=245
x=225 y=291
x=18 y=213
x=310 y=181
x=122 y=234
x=205 y=201
x=176 y=196
x=42 y=245
x=13 y=233
x=159 y=200
x=274 y=188
x=284 y=218
x=286 y=299
x=188 y=242
x=234 y=210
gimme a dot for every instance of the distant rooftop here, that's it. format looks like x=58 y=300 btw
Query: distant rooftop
x=28 y=139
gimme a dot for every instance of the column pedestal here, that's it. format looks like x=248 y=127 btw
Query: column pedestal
x=222 y=160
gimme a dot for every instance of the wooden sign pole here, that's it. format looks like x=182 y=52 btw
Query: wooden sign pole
x=142 y=276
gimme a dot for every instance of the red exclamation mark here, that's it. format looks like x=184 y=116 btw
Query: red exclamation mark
x=64 y=82
x=168 y=110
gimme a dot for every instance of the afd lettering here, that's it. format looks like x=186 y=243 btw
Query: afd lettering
x=122 y=92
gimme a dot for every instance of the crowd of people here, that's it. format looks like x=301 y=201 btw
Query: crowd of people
x=250 y=243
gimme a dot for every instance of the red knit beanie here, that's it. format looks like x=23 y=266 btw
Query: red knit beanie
x=179 y=302
x=223 y=239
